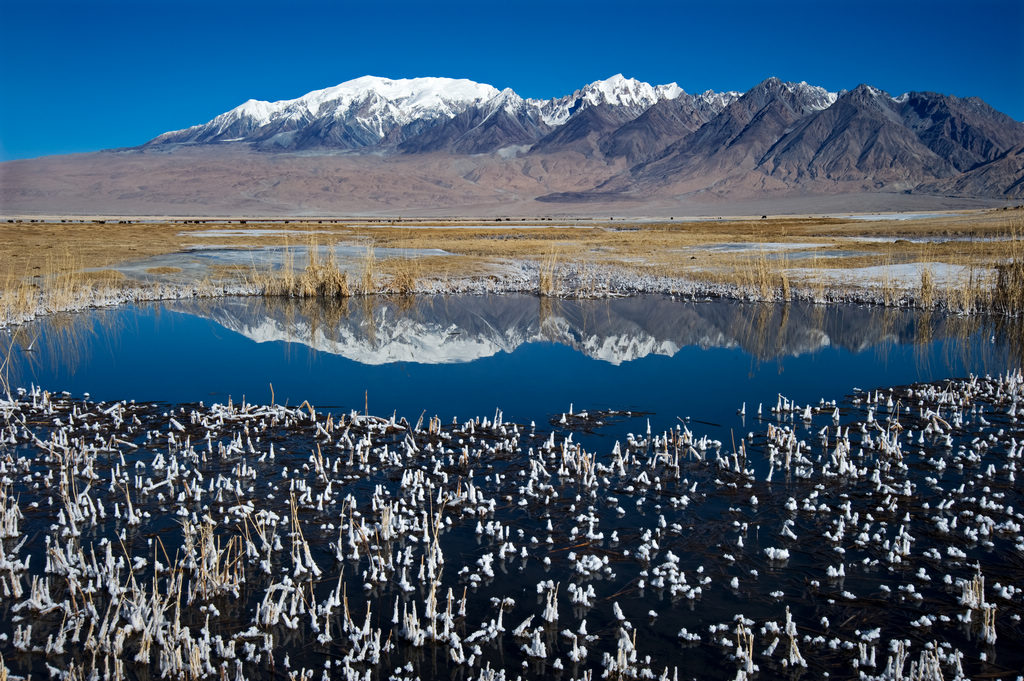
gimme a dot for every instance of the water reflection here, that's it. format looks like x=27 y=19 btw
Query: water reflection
x=533 y=358
x=444 y=330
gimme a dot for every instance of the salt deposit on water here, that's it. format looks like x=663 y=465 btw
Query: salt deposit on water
x=874 y=537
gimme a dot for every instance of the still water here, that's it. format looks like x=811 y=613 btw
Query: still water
x=466 y=356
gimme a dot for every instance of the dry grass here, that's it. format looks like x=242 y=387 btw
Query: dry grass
x=322 y=279
x=319 y=279
x=676 y=249
x=163 y=270
x=59 y=283
x=926 y=294
x=547 y=283
x=367 y=283
x=1008 y=292
x=402 y=274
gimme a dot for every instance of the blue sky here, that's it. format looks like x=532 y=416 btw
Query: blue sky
x=85 y=75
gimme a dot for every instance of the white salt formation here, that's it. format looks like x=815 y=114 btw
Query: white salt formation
x=241 y=541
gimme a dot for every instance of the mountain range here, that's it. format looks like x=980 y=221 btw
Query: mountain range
x=382 y=145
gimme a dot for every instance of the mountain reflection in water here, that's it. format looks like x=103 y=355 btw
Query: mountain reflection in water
x=533 y=358
x=444 y=330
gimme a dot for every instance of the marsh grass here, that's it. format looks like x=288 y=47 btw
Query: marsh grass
x=60 y=283
x=401 y=274
x=926 y=293
x=1008 y=292
x=37 y=274
x=321 y=278
x=1008 y=296
x=367 y=281
x=18 y=299
x=547 y=274
x=760 y=276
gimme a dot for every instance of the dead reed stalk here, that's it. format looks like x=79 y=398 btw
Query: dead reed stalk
x=547 y=284
x=319 y=279
x=926 y=294
x=367 y=284
x=1008 y=293
x=404 y=275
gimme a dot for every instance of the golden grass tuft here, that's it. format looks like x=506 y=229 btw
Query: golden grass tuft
x=404 y=273
x=1008 y=295
x=367 y=284
x=323 y=280
x=319 y=279
x=926 y=294
x=547 y=283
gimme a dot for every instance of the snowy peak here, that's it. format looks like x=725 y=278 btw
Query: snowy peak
x=817 y=98
x=632 y=95
x=717 y=100
x=801 y=97
x=371 y=106
x=506 y=100
x=410 y=98
x=629 y=92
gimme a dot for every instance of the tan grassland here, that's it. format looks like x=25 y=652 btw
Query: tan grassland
x=46 y=266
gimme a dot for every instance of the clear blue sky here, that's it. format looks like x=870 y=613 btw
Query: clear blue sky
x=87 y=75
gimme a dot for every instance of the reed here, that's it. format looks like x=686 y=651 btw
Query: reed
x=5 y=369
x=403 y=275
x=367 y=282
x=547 y=283
x=762 y=276
x=927 y=292
x=321 y=278
x=1008 y=293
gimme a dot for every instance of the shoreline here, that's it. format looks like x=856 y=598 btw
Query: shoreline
x=570 y=283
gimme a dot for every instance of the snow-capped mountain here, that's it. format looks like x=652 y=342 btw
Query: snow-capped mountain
x=357 y=113
x=631 y=95
x=380 y=112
